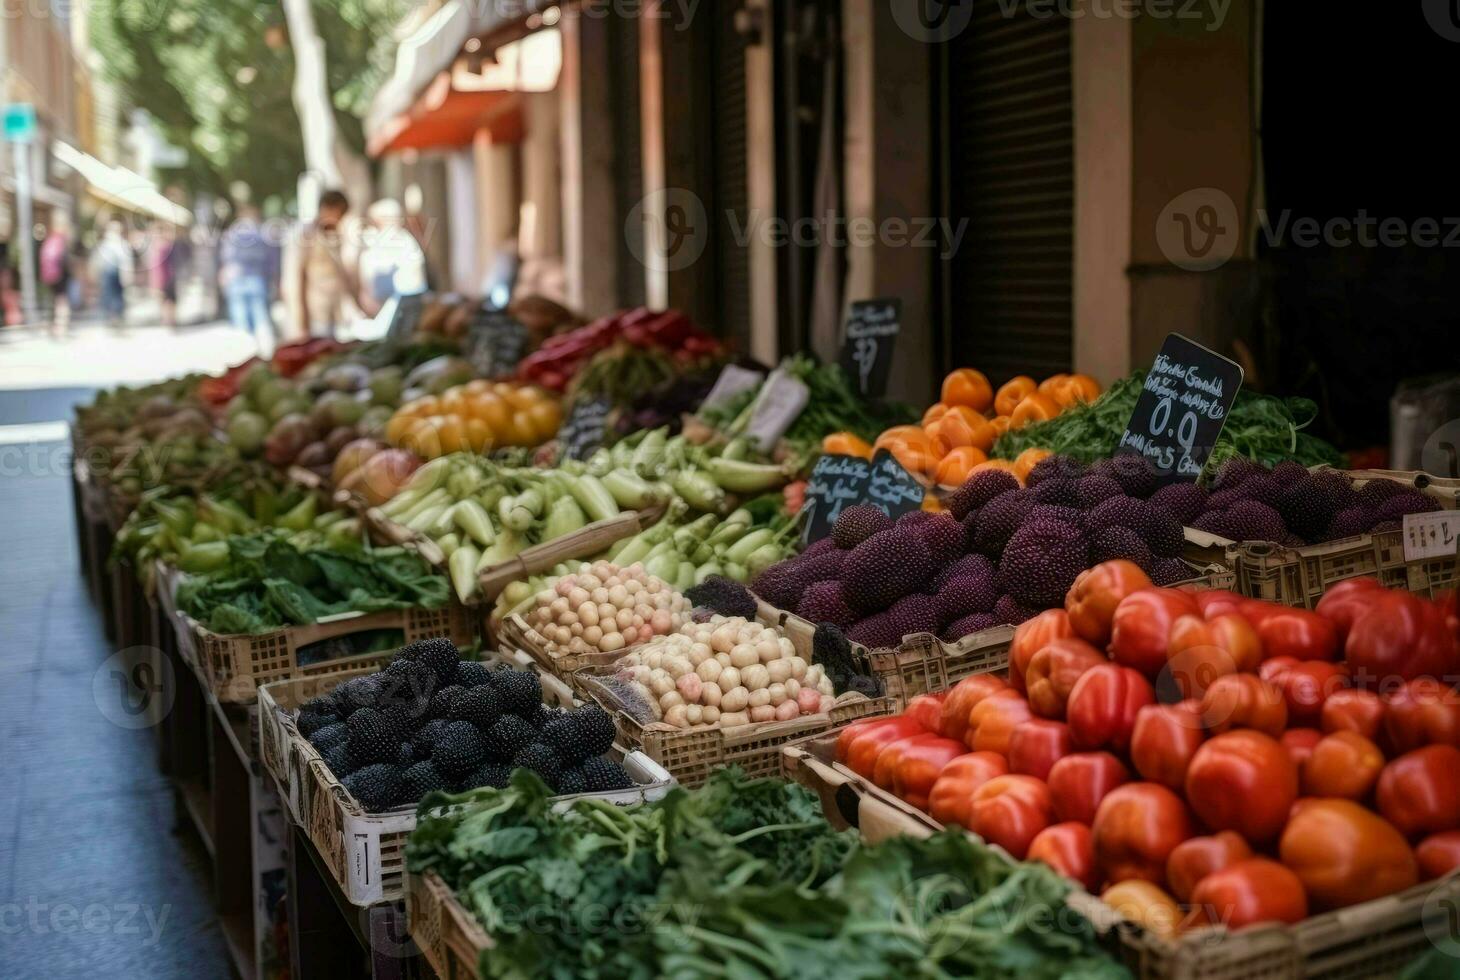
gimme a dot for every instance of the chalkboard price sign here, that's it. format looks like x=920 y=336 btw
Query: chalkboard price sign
x=583 y=430
x=495 y=343
x=1181 y=409
x=838 y=482
x=404 y=317
x=872 y=329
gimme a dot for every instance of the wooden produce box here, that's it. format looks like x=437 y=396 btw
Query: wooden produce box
x=365 y=852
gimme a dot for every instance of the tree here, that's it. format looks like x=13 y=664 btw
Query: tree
x=217 y=76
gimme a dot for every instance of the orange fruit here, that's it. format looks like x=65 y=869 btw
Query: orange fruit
x=1034 y=408
x=932 y=504
x=911 y=447
x=953 y=430
x=903 y=432
x=452 y=432
x=1027 y=459
x=491 y=409
x=399 y=424
x=545 y=417
x=477 y=386
x=935 y=412
x=523 y=397
x=1051 y=383
x=479 y=436
x=966 y=386
x=1013 y=391
x=984 y=436
x=1000 y=424
x=1083 y=387
x=454 y=402
x=955 y=468
x=422 y=438
x=846 y=444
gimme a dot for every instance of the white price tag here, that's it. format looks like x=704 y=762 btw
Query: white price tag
x=732 y=381
x=781 y=401
x=1432 y=535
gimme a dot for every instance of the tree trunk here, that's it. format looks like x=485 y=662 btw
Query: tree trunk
x=325 y=154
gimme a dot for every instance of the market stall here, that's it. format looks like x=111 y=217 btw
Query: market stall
x=592 y=649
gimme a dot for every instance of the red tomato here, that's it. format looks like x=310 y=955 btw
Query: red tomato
x=992 y=721
x=962 y=699
x=1136 y=828
x=1344 y=854
x=1243 y=701
x=1344 y=764
x=1353 y=709
x=1402 y=636
x=1053 y=671
x=1297 y=633
x=1069 y=848
x=1305 y=686
x=918 y=768
x=1247 y=892
x=1052 y=624
x=1201 y=650
x=1422 y=712
x=1419 y=792
x=1080 y=781
x=1140 y=632
x=1092 y=600
x=1010 y=811
x=951 y=800
x=1243 y=781
x=867 y=744
x=1165 y=738
x=1102 y=707
x=1344 y=603
x=1194 y=859
x=1036 y=745
x=1299 y=744
x=889 y=760
x=927 y=710
x=1218 y=602
x=1438 y=854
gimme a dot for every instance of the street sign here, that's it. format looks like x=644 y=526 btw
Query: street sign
x=20 y=123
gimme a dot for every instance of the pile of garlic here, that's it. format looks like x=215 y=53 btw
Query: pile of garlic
x=604 y=608
x=726 y=671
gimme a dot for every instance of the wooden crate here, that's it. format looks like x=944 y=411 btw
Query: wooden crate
x=1300 y=576
x=450 y=939
x=1373 y=939
x=365 y=852
x=237 y=665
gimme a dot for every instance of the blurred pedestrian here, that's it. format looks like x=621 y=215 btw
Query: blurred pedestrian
x=392 y=262
x=162 y=262
x=55 y=271
x=248 y=270
x=324 y=277
x=112 y=263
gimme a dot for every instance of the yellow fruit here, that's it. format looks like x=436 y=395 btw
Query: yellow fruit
x=479 y=436
x=546 y=417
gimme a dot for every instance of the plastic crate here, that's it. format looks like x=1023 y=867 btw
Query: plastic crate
x=235 y=666
x=365 y=852
x=448 y=936
x=1300 y=576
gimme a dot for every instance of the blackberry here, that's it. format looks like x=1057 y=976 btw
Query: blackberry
x=973 y=623
x=419 y=779
x=1012 y=612
x=580 y=733
x=1169 y=571
x=375 y=787
x=545 y=716
x=459 y=749
x=857 y=523
x=572 y=782
x=1111 y=543
x=442 y=700
x=1056 y=490
x=1056 y=467
x=978 y=490
x=541 y=759
x=521 y=691
x=357 y=693
x=405 y=755
x=481 y=706
x=339 y=760
x=1134 y=474
x=329 y=736
x=1090 y=490
x=311 y=720
x=969 y=566
x=602 y=776
x=373 y=736
x=508 y=737
x=438 y=655
x=471 y=673
x=1375 y=492
x=1236 y=471
x=726 y=596
x=1183 y=501
x=999 y=519
x=494 y=775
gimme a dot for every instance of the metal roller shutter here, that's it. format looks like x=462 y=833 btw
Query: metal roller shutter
x=729 y=161
x=1010 y=171
x=628 y=154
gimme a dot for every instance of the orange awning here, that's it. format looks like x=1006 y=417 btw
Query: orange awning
x=445 y=118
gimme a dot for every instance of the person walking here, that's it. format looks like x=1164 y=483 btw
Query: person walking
x=162 y=263
x=55 y=272
x=113 y=265
x=324 y=277
x=249 y=271
x=392 y=262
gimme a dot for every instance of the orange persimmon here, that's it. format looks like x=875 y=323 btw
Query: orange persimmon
x=1034 y=408
x=1012 y=392
x=956 y=467
x=965 y=386
x=935 y=412
x=846 y=444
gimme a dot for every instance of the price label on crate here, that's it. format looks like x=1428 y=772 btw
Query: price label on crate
x=495 y=342
x=733 y=380
x=872 y=329
x=583 y=430
x=838 y=482
x=1182 y=407
x=781 y=401
x=1432 y=535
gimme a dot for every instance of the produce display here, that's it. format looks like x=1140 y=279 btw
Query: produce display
x=1234 y=759
x=741 y=878
x=726 y=671
x=604 y=608
x=559 y=360
x=477 y=417
x=998 y=555
x=1259 y=427
x=430 y=722
x=261 y=582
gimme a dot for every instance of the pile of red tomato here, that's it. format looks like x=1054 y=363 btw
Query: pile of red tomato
x=1197 y=757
